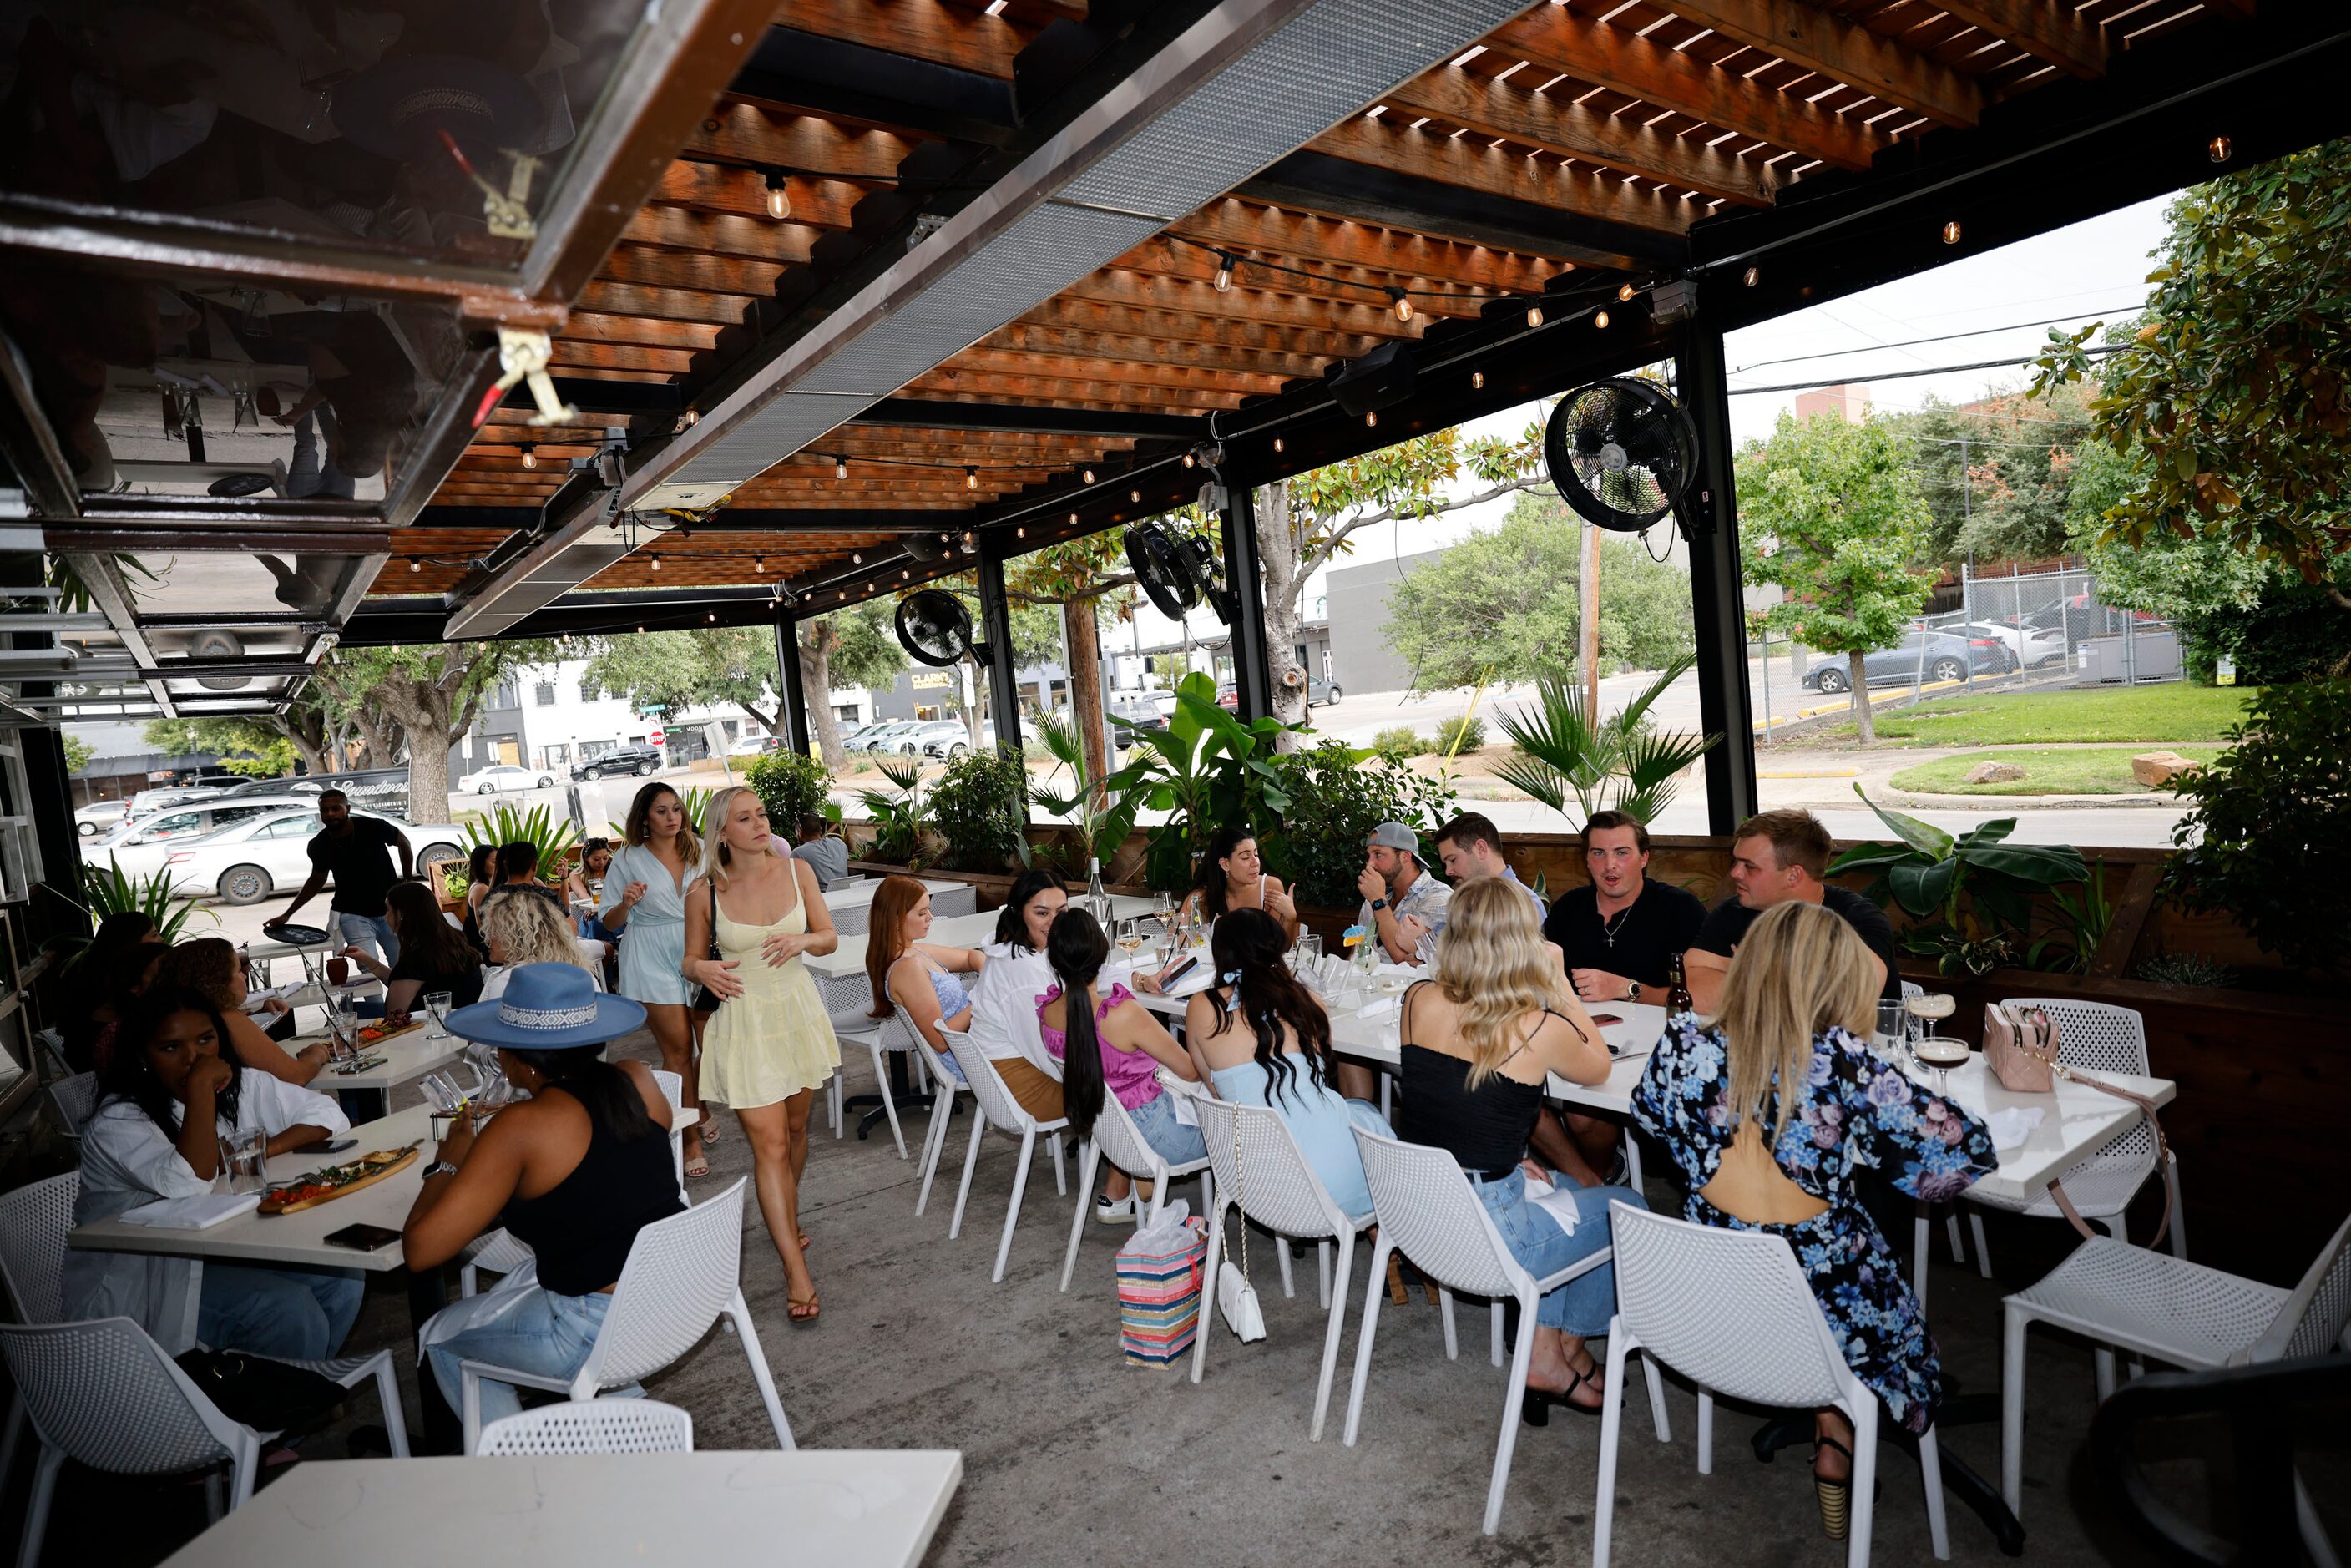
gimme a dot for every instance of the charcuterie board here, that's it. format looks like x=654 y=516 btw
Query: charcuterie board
x=311 y=1190
x=376 y=1034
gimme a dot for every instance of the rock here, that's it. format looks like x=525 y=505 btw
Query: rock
x=2156 y=768
x=1994 y=773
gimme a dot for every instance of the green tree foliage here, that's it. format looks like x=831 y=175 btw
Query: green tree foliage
x=430 y=693
x=1831 y=513
x=252 y=747
x=846 y=650
x=710 y=667
x=1337 y=796
x=80 y=753
x=1505 y=605
x=2013 y=499
x=2237 y=383
x=791 y=785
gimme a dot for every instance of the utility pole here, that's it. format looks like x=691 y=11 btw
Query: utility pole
x=1588 y=623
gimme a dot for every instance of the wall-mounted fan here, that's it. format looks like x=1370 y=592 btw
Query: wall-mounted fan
x=1623 y=453
x=935 y=627
x=215 y=646
x=1178 y=573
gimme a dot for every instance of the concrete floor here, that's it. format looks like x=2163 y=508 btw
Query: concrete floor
x=1070 y=1457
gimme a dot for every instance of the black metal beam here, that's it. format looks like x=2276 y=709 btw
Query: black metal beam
x=1022 y=419
x=1716 y=607
x=589 y=395
x=743 y=520
x=1339 y=188
x=841 y=80
x=795 y=684
x=382 y=623
x=1003 y=670
x=1252 y=669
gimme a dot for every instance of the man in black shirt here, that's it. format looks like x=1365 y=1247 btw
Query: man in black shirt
x=355 y=851
x=1775 y=857
x=1619 y=933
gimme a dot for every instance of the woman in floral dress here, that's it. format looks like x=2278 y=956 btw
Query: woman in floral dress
x=1798 y=1006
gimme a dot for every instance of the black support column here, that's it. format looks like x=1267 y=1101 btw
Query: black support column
x=1252 y=671
x=1716 y=599
x=795 y=691
x=996 y=634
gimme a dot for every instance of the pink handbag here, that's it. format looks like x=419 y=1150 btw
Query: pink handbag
x=2021 y=1048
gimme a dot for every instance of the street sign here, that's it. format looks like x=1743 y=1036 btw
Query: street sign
x=658 y=738
x=656 y=707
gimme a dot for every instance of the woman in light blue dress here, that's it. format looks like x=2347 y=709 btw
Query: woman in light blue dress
x=644 y=900
x=1262 y=1038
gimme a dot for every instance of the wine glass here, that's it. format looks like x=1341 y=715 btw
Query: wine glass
x=1309 y=949
x=437 y=1003
x=1163 y=905
x=1931 y=1050
x=344 y=1029
x=1130 y=937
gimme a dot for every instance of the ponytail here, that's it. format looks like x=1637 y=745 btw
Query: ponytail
x=1076 y=948
x=614 y=1106
x=1249 y=943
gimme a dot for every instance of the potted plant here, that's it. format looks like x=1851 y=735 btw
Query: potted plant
x=1971 y=894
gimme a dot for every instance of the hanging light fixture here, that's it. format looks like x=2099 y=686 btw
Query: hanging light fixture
x=656 y=562
x=856 y=559
x=1020 y=533
x=841 y=467
x=759 y=564
x=2219 y=149
x=1187 y=460
x=1477 y=380
x=1276 y=444
x=1600 y=319
x=1624 y=295
x=1136 y=496
x=1224 y=271
x=1751 y=277
x=1401 y=303
x=1951 y=232
x=414 y=564
x=971 y=478
x=1372 y=419
x=530 y=456
x=780 y=201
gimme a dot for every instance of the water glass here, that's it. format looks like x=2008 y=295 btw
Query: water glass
x=438 y=1003
x=1309 y=948
x=245 y=1155
x=1892 y=1025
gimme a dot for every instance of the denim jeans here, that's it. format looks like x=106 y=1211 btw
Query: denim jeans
x=295 y=1314
x=1583 y=1305
x=373 y=932
x=541 y=1333
x=1170 y=1139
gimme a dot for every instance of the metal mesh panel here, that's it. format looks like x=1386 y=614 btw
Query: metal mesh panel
x=2181 y=1312
x=1425 y=1208
x=2097 y=1036
x=104 y=1393
x=682 y=1273
x=75 y=1098
x=591 y=1426
x=1730 y=1307
x=1270 y=1180
x=996 y=1101
x=2320 y=1309
x=34 y=1221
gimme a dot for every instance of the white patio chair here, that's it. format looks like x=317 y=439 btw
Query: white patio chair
x=684 y=1274
x=672 y=1088
x=104 y=1393
x=1731 y=1310
x=1950 y=1221
x=900 y=1027
x=1427 y=1210
x=1260 y=1171
x=854 y=921
x=955 y=901
x=72 y=1101
x=2100 y=1038
x=591 y=1427
x=846 y=998
x=998 y=1108
x=1115 y=1134
x=52 y=1044
x=34 y=1221
x=2161 y=1308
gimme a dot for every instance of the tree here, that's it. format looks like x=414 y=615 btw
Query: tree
x=1074 y=577
x=257 y=746
x=704 y=667
x=2237 y=383
x=80 y=753
x=1831 y=513
x=1505 y=605
x=1998 y=475
x=430 y=693
x=855 y=647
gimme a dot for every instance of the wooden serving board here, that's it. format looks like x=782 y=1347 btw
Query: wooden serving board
x=389 y=1034
x=406 y=1159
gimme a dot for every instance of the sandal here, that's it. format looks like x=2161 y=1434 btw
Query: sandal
x=708 y=1128
x=801 y=1309
x=1534 y=1409
x=1835 y=1497
x=697 y=1166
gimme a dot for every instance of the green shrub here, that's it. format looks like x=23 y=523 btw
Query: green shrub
x=1337 y=796
x=1455 y=736
x=975 y=808
x=898 y=818
x=790 y=784
x=1399 y=743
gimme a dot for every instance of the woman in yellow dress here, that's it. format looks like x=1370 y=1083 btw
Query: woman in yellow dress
x=770 y=1044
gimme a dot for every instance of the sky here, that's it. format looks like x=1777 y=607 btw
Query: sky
x=2091 y=271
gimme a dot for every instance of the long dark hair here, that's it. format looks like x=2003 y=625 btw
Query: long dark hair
x=613 y=1105
x=97 y=969
x=1076 y=948
x=1012 y=920
x=127 y=1075
x=1210 y=878
x=1252 y=942
x=422 y=928
x=481 y=863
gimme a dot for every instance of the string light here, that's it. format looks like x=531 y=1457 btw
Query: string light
x=530 y=456
x=759 y=564
x=414 y=564
x=971 y=478
x=1477 y=380
x=1074 y=520
x=1371 y=420
x=1224 y=271
x=641 y=631
x=1276 y=444
x=1187 y=460
x=841 y=467
x=1751 y=277
x=1402 y=303
x=1601 y=320
x=693 y=417
x=2219 y=149
x=1952 y=232
x=780 y=201
x=1624 y=295
x=856 y=559
x=656 y=563
x=1534 y=314
x=712 y=617
x=1088 y=474
x=1136 y=496
x=1020 y=533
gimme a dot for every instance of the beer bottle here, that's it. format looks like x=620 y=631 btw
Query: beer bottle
x=1677 y=995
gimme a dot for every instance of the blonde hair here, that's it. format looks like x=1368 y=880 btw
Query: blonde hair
x=1798 y=970
x=529 y=929
x=1493 y=964
x=715 y=856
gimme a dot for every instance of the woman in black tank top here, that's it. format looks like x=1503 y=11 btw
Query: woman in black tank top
x=1478 y=1041
x=573 y=1173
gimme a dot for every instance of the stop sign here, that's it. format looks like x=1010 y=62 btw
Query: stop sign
x=658 y=738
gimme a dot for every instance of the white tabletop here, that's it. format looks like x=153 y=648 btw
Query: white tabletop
x=843 y=1508
x=405 y=1056
x=954 y=931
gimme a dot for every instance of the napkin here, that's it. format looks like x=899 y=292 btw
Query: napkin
x=1380 y=1009
x=200 y=1213
x=2011 y=1127
x=1556 y=1205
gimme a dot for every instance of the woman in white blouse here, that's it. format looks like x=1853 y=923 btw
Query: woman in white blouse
x=172 y=1091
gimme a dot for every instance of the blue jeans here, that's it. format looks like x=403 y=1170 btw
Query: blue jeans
x=295 y=1314
x=544 y=1334
x=1170 y=1139
x=373 y=932
x=1583 y=1305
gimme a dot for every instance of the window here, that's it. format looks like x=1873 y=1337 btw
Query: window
x=545 y=695
x=290 y=828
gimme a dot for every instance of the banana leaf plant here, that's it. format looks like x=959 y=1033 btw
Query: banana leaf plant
x=1973 y=891
x=1623 y=761
x=1203 y=768
x=1103 y=810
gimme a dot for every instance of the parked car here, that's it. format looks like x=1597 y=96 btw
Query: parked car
x=2029 y=646
x=756 y=745
x=247 y=862
x=147 y=803
x=884 y=736
x=506 y=776
x=99 y=817
x=1320 y=693
x=144 y=844
x=305 y=785
x=935 y=737
x=954 y=746
x=1920 y=655
x=638 y=760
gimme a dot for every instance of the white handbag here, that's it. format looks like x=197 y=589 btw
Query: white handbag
x=1236 y=1297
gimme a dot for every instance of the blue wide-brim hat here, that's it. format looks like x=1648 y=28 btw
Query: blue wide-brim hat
x=548 y=1007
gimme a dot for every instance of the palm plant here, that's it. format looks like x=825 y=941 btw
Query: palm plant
x=1104 y=809
x=694 y=802
x=111 y=889
x=1622 y=762
x=511 y=824
x=897 y=818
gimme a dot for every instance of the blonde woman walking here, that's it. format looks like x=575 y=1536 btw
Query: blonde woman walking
x=770 y=1043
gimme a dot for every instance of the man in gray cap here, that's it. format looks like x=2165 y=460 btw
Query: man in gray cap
x=1401 y=901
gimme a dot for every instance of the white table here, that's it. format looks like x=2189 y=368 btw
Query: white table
x=842 y=1507
x=955 y=931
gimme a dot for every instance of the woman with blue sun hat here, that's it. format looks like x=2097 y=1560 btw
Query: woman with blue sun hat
x=574 y=1172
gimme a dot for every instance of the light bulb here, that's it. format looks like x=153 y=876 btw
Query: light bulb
x=1624 y=295
x=971 y=478
x=780 y=201
x=1074 y=520
x=656 y=563
x=2219 y=149
x=1534 y=314
x=855 y=559
x=414 y=564
x=1477 y=380
x=1371 y=420
x=1187 y=460
x=906 y=575
x=693 y=417
x=530 y=456
x=841 y=467
x=1402 y=303
x=1952 y=232
x=1135 y=496
x=1276 y=444
x=1601 y=320
x=1088 y=474
x=1223 y=272
x=1020 y=533
x=1751 y=277
x=970 y=542
x=641 y=631
x=712 y=617
x=759 y=564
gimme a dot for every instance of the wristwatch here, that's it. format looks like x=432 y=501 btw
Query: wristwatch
x=440 y=1167
x=1378 y=905
x=1632 y=991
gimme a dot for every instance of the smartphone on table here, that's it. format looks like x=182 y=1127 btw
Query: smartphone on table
x=363 y=1238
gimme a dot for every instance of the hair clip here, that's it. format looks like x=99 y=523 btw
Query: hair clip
x=1233 y=978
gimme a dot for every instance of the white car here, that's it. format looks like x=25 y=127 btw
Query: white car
x=506 y=776
x=248 y=861
x=100 y=817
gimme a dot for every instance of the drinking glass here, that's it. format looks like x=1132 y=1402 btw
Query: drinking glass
x=1130 y=937
x=438 y=1003
x=1309 y=948
x=1891 y=1017
x=1425 y=953
x=244 y=1155
x=1163 y=905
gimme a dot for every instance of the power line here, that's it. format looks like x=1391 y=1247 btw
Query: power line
x=1913 y=343
x=1902 y=375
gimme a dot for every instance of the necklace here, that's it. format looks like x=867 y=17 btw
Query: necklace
x=1608 y=927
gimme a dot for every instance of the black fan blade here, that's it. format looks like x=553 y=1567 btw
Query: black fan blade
x=1152 y=556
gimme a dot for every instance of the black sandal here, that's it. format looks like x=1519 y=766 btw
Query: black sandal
x=1534 y=1409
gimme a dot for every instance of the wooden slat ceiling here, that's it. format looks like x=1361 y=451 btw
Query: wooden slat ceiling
x=1628 y=115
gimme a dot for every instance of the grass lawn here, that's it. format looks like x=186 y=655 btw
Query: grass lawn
x=2059 y=770
x=2168 y=713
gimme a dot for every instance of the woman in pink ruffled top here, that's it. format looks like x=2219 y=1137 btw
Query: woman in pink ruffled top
x=1111 y=1044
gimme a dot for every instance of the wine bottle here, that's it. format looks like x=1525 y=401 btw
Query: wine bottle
x=1096 y=899
x=1678 y=1003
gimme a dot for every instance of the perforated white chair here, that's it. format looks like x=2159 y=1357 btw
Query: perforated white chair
x=955 y=901
x=2161 y=1308
x=1115 y=1134
x=846 y=998
x=854 y=921
x=1729 y=1310
x=672 y=1088
x=498 y=1252
x=683 y=1275
x=900 y=1027
x=2100 y=1038
x=591 y=1427
x=34 y=1221
x=1260 y=1171
x=52 y=1043
x=72 y=1101
x=105 y=1394
x=998 y=1109
x=1427 y=1210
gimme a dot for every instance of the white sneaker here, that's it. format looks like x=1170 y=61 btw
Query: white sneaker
x=1114 y=1210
